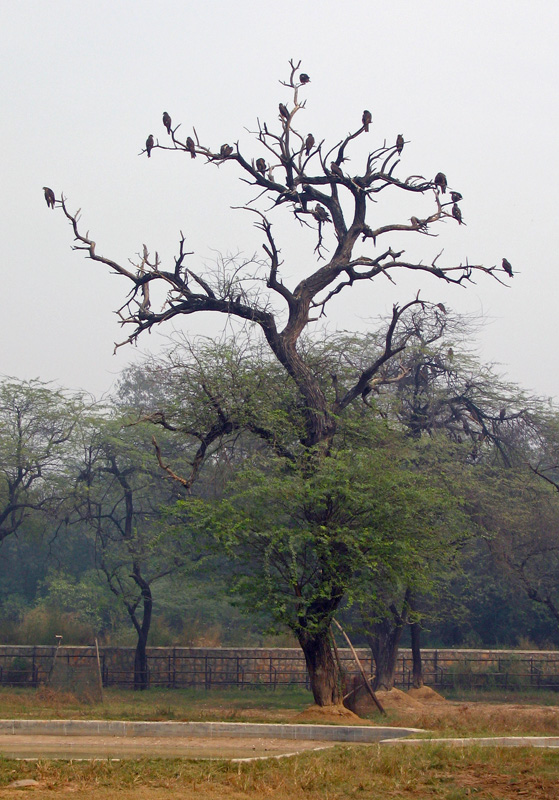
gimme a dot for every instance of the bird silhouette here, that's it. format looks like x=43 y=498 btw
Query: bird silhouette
x=49 y=196
x=283 y=111
x=366 y=119
x=440 y=181
x=225 y=150
x=457 y=214
x=261 y=166
x=335 y=170
x=320 y=213
x=309 y=143
x=399 y=143
x=455 y=197
x=507 y=267
x=167 y=121
x=304 y=78
x=150 y=142
x=191 y=147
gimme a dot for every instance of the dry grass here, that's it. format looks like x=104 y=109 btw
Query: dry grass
x=433 y=772
x=344 y=772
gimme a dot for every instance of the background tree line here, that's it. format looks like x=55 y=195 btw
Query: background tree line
x=460 y=541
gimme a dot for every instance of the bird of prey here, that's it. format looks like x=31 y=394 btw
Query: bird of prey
x=455 y=197
x=320 y=213
x=225 y=150
x=399 y=143
x=49 y=196
x=167 y=121
x=304 y=78
x=441 y=307
x=309 y=143
x=283 y=111
x=457 y=214
x=506 y=266
x=150 y=141
x=191 y=147
x=440 y=181
x=261 y=166
x=366 y=119
x=335 y=170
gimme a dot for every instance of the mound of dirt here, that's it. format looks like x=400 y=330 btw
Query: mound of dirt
x=395 y=698
x=323 y=715
x=426 y=695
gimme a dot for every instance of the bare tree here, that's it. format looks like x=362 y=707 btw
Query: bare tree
x=290 y=170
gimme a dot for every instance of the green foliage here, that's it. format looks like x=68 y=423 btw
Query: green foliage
x=307 y=534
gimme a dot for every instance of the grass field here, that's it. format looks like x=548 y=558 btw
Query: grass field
x=431 y=772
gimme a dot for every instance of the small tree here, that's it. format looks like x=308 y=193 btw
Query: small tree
x=310 y=179
x=36 y=427
x=119 y=494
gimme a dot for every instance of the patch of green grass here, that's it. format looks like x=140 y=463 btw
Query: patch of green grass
x=540 y=697
x=156 y=704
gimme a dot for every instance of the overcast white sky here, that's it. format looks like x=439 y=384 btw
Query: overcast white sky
x=471 y=85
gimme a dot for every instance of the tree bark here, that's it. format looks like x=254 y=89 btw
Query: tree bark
x=141 y=672
x=384 y=640
x=417 y=667
x=324 y=675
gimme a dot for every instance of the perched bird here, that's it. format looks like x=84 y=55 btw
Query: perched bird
x=440 y=181
x=49 y=196
x=320 y=213
x=455 y=197
x=502 y=414
x=399 y=143
x=150 y=141
x=450 y=353
x=261 y=166
x=506 y=264
x=366 y=119
x=335 y=170
x=457 y=214
x=309 y=143
x=225 y=150
x=441 y=307
x=304 y=78
x=167 y=121
x=191 y=147
x=283 y=111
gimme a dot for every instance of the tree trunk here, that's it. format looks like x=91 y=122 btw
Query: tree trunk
x=141 y=673
x=323 y=671
x=141 y=676
x=384 y=640
x=417 y=668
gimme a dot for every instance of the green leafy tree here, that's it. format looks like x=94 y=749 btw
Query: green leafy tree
x=37 y=424
x=119 y=493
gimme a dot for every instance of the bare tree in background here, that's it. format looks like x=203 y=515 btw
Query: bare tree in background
x=310 y=180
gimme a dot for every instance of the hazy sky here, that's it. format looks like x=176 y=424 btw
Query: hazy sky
x=471 y=85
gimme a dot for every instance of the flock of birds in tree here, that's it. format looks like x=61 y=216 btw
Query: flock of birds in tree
x=319 y=213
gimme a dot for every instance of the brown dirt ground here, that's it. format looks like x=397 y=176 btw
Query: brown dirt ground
x=423 y=708
x=118 y=747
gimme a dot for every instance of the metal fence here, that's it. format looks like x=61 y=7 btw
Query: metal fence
x=175 y=669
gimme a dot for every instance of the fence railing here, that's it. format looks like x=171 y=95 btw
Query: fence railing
x=175 y=669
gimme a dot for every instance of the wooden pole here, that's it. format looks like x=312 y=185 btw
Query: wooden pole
x=360 y=667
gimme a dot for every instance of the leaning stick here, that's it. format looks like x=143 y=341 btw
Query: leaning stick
x=360 y=666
